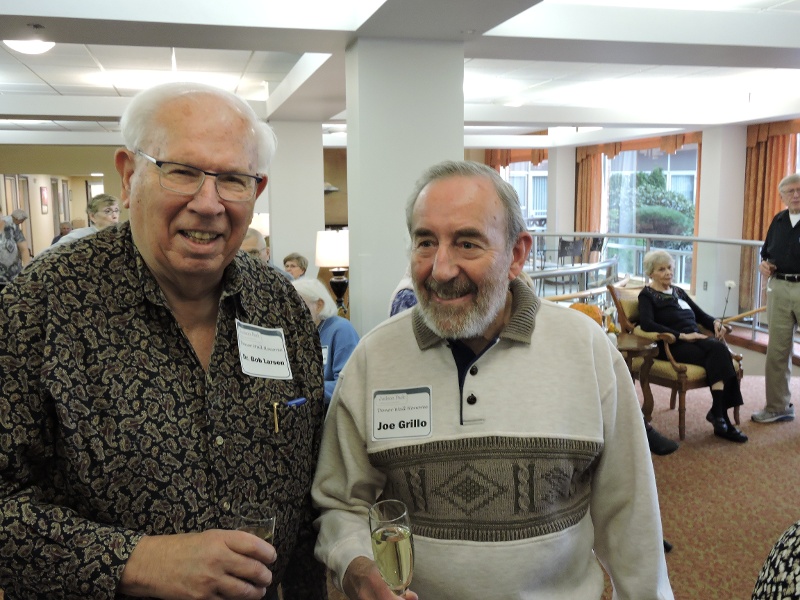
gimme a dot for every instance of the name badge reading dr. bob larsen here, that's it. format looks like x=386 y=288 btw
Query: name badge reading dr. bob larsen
x=401 y=413
x=262 y=351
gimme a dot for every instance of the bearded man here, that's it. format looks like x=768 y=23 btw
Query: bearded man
x=508 y=425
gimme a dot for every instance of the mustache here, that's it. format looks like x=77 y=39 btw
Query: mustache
x=455 y=288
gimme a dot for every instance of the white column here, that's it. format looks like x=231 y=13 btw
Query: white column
x=405 y=112
x=561 y=189
x=721 y=209
x=295 y=198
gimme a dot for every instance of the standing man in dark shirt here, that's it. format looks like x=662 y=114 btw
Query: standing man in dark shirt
x=151 y=381
x=781 y=263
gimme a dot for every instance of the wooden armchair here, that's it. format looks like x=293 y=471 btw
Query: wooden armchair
x=679 y=377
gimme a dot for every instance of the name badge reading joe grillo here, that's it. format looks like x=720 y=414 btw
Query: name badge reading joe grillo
x=400 y=414
x=262 y=351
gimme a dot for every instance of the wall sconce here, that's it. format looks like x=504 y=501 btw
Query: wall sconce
x=333 y=251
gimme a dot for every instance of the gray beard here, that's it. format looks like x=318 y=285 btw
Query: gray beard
x=460 y=323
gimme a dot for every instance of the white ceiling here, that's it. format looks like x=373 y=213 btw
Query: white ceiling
x=632 y=67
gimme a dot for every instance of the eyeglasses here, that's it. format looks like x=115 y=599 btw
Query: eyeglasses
x=256 y=252
x=791 y=192
x=109 y=211
x=187 y=180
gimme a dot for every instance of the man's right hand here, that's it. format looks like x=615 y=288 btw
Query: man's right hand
x=211 y=564
x=766 y=268
x=363 y=581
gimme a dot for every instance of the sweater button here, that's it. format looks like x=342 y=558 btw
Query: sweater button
x=471 y=399
x=473 y=370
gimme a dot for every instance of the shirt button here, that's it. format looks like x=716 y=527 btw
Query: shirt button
x=473 y=370
x=219 y=441
x=471 y=399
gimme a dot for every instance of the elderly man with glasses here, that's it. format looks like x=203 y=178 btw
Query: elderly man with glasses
x=162 y=379
x=781 y=264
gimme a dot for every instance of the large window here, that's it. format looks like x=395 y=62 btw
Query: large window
x=650 y=192
x=530 y=182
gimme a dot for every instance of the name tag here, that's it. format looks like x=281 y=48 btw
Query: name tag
x=262 y=351
x=324 y=355
x=398 y=414
x=684 y=305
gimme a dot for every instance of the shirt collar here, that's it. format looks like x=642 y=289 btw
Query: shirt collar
x=524 y=306
x=143 y=285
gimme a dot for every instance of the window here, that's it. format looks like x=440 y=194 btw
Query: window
x=650 y=192
x=530 y=183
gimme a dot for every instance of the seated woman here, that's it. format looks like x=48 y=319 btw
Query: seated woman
x=664 y=308
x=295 y=264
x=337 y=336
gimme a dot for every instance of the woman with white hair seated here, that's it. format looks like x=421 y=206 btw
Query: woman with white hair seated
x=665 y=308
x=337 y=336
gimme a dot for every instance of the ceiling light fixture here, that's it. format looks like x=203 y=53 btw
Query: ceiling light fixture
x=29 y=46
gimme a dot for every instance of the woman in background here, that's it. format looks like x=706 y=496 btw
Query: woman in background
x=295 y=264
x=103 y=212
x=665 y=308
x=337 y=336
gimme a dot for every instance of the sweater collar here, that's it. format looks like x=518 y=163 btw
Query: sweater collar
x=524 y=306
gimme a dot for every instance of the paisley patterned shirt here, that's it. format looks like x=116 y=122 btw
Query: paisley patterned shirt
x=110 y=428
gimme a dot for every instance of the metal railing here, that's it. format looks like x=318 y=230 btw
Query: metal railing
x=629 y=250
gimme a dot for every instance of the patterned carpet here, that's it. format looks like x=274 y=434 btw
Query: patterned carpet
x=723 y=504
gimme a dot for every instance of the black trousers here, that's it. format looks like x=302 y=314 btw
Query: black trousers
x=714 y=356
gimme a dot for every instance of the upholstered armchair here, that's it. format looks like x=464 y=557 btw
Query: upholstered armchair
x=679 y=377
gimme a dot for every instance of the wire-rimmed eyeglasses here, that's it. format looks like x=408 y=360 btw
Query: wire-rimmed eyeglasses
x=790 y=192
x=187 y=180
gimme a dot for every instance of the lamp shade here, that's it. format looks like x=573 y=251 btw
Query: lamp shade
x=333 y=248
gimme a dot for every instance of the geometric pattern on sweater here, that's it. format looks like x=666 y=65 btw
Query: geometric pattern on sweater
x=491 y=488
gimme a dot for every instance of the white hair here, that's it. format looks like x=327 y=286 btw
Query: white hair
x=313 y=290
x=136 y=123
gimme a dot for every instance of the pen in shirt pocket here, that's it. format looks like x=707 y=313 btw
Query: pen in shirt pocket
x=290 y=403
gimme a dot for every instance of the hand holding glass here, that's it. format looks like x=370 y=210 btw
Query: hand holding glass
x=257 y=519
x=392 y=544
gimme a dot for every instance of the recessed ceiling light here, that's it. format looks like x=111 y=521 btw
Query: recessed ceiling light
x=95 y=174
x=29 y=46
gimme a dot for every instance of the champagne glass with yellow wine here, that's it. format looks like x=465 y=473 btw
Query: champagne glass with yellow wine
x=392 y=543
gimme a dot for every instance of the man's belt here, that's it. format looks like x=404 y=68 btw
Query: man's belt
x=793 y=277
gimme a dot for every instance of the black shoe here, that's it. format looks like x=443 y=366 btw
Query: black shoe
x=667 y=546
x=659 y=444
x=726 y=430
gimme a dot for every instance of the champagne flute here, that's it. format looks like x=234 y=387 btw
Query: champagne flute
x=258 y=519
x=392 y=543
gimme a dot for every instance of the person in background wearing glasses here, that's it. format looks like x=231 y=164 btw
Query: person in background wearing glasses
x=780 y=263
x=103 y=212
x=296 y=264
x=160 y=379
x=257 y=245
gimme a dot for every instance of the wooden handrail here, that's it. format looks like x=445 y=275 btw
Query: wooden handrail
x=743 y=315
x=589 y=293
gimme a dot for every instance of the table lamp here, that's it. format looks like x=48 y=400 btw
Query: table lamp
x=333 y=251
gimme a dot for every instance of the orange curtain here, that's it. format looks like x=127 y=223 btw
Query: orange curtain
x=503 y=158
x=588 y=192
x=771 y=156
